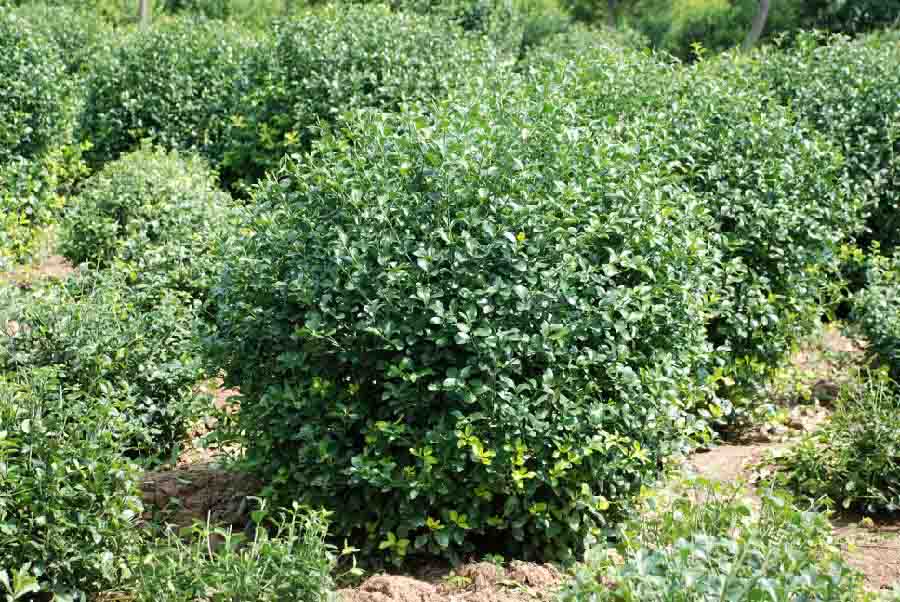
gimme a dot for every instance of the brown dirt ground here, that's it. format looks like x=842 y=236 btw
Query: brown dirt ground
x=53 y=267
x=872 y=546
x=478 y=582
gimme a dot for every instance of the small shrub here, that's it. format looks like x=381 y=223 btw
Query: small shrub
x=159 y=213
x=170 y=83
x=483 y=326
x=710 y=544
x=34 y=94
x=854 y=460
x=105 y=336
x=68 y=499
x=292 y=564
x=321 y=64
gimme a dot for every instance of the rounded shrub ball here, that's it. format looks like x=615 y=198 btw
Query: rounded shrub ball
x=158 y=212
x=477 y=329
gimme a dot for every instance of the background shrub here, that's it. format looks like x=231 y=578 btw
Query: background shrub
x=77 y=34
x=773 y=186
x=875 y=310
x=710 y=544
x=853 y=460
x=447 y=337
x=135 y=344
x=159 y=213
x=248 y=12
x=33 y=90
x=170 y=83
x=68 y=498
x=321 y=64
x=847 y=91
x=513 y=25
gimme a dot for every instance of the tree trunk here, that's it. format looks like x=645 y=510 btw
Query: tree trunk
x=144 y=12
x=611 y=13
x=759 y=23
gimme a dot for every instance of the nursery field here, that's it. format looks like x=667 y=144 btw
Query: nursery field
x=474 y=300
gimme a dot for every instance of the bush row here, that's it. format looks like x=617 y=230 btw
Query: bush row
x=676 y=26
x=490 y=318
x=846 y=89
x=245 y=102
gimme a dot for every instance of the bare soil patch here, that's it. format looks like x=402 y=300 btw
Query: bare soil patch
x=872 y=545
x=478 y=582
x=53 y=267
x=197 y=493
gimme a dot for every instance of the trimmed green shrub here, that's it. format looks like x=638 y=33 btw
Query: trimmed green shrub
x=68 y=498
x=483 y=326
x=875 y=309
x=105 y=337
x=33 y=90
x=854 y=459
x=513 y=25
x=290 y=564
x=711 y=544
x=773 y=186
x=111 y=11
x=159 y=213
x=321 y=64
x=77 y=35
x=170 y=83
x=847 y=90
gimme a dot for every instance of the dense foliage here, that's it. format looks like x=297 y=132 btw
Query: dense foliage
x=112 y=341
x=853 y=460
x=68 y=498
x=75 y=32
x=171 y=83
x=710 y=544
x=772 y=186
x=848 y=91
x=488 y=273
x=442 y=334
x=159 y=213
x=317 y=66
x=34 y=92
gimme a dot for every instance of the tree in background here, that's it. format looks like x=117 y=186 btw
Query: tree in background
x=759 y=22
